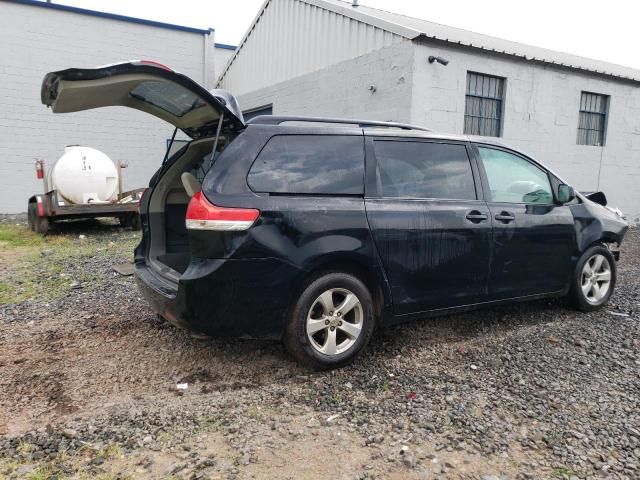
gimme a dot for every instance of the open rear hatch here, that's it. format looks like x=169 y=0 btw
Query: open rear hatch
x=147 y=86
x=205 y=116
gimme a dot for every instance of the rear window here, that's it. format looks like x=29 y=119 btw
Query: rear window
x=169 y=97
x=423 y=170
x=311 y=164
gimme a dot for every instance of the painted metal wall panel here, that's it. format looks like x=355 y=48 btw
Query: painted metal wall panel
x=294 y=37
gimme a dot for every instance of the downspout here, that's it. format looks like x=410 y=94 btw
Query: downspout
x=600 y=168
x=208 y=44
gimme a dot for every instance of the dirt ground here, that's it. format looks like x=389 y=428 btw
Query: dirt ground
x=90 y=385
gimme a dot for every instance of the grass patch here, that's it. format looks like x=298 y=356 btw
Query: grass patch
x=44 y=473
x=32 y=266
x=14 y=236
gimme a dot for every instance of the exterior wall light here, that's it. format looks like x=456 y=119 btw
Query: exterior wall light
x=440 y=60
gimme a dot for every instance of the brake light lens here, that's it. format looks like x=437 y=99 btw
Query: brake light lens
x=204 y=215
x=152 y=63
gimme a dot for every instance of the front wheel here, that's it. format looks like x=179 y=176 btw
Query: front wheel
x=594 y=279
x=331 y=322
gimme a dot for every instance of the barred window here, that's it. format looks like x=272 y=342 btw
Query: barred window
x=483 y=106
x=593 y=119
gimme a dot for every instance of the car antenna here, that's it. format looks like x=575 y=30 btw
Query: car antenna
x=173 y=137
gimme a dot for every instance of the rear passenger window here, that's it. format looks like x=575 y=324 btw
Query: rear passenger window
x=423 y=170
x=311 y=164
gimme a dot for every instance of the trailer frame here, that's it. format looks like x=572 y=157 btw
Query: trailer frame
x=43 y=209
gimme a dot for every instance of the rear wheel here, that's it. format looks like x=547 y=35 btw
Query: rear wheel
x=594 y=279
x=331 y=322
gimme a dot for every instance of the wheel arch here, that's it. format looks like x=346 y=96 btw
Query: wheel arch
x=371 y=276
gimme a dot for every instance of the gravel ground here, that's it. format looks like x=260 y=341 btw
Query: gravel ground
x=89 y=385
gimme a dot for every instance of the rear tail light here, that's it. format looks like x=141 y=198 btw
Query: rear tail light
x=204 y=215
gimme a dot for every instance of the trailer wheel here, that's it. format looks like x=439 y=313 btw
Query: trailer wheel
x=31 y=216
x=130 y=220
x=134 y=221
x=37 y=223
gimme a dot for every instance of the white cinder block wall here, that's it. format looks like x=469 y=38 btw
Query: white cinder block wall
x=343 y=89
x=540 y=110
x=221 y=56
x=540 y=116
x=35 y=40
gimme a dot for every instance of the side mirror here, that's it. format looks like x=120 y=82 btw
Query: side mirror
x=566 y=193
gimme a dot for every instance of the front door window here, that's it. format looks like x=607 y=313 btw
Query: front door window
x=512 y=179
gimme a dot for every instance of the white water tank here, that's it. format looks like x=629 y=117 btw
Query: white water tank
x=84 y=175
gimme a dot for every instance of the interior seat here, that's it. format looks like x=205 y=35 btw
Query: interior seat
x=190 y=183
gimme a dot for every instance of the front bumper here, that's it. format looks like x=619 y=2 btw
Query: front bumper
x=223 y=298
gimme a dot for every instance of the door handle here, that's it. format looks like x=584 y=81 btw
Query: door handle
x=475 y=216
x=505 y=217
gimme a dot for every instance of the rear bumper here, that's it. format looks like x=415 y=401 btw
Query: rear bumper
x=223 y=298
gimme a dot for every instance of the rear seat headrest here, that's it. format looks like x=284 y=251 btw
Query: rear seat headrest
x=190 y=183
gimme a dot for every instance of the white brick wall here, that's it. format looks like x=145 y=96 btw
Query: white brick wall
x=540 y=111
x=34 y=41
x=541 y=117
x=342 y=90
x=221 y=57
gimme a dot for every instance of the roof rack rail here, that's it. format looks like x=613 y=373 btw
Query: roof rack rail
x=277 y=120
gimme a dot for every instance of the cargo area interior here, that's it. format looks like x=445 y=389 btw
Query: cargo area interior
x=169 y=249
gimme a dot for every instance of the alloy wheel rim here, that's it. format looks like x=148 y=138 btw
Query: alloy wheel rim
x=334 y=321
x=596 y=279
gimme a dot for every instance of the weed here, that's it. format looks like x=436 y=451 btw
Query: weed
x=44 y=473
x=553 y=437
x=111 y=451
x=563 y=471
x=24 y=448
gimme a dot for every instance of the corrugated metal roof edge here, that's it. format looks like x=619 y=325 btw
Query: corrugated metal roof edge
x=388 y=26
x=413 y=34
x=112 y=16
x=531 y=59
x=348 y=10
x=242 y=42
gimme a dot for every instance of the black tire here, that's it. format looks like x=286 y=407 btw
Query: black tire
x=130 y=220
x=37 y=224
x=32 y=213
x=577 y=296
x=295 y=335
x=134 y=221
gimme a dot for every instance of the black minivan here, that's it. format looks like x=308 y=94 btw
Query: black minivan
x=318 y=230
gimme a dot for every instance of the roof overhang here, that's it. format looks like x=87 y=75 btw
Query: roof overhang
x=423 y=37
x=111 y=16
